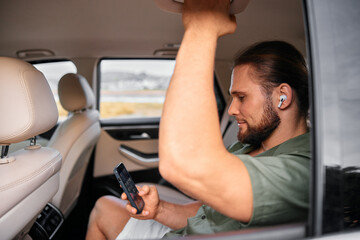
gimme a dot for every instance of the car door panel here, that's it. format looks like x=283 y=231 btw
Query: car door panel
x=138 y=150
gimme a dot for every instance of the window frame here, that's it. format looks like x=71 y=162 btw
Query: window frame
x=323 y=19
x=140 y=120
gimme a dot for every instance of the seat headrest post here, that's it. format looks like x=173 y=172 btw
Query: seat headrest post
x=33 y=141
x=4 y=151
x=33 y=145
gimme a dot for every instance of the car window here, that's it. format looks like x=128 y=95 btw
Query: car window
x=133 y=88
x=53 y=71
x=136 y=88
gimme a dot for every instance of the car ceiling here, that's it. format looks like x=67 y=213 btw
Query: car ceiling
x=132 y=28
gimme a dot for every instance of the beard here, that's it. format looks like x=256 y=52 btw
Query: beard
x=255 y=135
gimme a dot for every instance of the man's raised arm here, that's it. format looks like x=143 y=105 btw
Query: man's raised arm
x=192 y=155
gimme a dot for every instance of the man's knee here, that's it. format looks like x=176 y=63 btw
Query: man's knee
x=110 y=207
x=106 y=204
x=108 y=217
x=102 y=203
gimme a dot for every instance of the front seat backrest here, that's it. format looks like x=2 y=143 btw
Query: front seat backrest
x=75 y=138
x=29 y=177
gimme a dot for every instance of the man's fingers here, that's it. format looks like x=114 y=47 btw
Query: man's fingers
x=131 y=209
x=145 y=213
x=144 y=190
x=123 y=196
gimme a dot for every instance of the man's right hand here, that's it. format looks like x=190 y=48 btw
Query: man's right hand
x=172 y=215
x=209 y=15
x=152 y=203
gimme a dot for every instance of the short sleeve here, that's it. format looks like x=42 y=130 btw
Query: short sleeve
x=280 y=187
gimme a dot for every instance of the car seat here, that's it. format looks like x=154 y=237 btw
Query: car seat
x=29 y=177
x=74 y=138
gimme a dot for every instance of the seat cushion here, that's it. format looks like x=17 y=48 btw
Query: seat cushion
x=170 y=195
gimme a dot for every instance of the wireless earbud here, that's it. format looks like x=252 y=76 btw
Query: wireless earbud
x=282 y=99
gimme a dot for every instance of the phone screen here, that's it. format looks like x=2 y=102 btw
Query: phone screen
x=128 y=185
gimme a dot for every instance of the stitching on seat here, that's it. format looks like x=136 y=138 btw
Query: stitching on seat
x=33 y=175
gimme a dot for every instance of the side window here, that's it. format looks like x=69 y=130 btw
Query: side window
x=53 y=71
x=134 y=88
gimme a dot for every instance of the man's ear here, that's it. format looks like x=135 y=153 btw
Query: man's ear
x=284 y=96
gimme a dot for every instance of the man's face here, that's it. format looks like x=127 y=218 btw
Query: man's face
x=253 y=110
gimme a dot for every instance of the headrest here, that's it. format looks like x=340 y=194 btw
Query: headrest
x=75 y=93
x=27 y=105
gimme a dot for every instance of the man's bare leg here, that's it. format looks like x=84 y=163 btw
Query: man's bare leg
x=107 y=219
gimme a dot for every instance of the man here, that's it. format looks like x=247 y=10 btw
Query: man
x=261 y=181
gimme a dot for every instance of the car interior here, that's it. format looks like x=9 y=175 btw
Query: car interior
x=82 y=84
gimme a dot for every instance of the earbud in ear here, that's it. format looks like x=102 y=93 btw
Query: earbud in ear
x=282 y=99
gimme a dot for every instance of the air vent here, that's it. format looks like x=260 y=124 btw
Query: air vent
x=34 y=53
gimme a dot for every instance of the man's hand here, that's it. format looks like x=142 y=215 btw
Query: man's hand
x=152 y=202
x=172 y=215
x=209 y=15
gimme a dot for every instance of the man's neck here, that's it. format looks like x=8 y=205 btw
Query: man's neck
x=281 y=134
x=285 y=131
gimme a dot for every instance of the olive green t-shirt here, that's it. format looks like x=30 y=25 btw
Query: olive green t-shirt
x=280 y=184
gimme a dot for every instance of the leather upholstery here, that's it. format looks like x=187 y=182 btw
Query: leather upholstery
x=230 y=136
x=170 y=195
x=27 y=106
x=27 y=183
x=75 y=138
x=26 y=186
x=75 y=93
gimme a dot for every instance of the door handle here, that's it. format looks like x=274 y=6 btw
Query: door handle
x=137 y=155
x=143 y=135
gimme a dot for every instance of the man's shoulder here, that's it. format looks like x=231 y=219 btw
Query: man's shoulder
x=297 y=145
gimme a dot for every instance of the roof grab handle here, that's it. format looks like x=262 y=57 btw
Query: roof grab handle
x=175 y=6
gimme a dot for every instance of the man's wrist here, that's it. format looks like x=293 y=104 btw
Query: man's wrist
x=159 y=211
x=199 y=32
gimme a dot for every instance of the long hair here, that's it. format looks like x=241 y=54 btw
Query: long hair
x=276 y=62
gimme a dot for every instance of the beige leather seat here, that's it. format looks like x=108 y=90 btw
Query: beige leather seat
x=29 y=177
x=230 y=135
x=75 y=138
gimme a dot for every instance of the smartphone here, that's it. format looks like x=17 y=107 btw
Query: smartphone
x=128 y=185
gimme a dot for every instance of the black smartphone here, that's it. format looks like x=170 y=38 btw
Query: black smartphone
x=128 y=185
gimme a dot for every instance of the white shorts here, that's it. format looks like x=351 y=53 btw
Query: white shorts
x=143 y=229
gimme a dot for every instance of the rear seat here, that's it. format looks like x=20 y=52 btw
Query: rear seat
x=170 y=195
